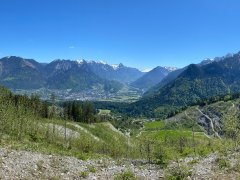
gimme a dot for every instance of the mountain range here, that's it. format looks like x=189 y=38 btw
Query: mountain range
x=167 y=91
x=118 y=72
x=190 y=85
x=152 y=78
x=20 y=73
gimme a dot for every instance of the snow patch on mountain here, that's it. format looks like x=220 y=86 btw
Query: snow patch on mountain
x=97 y=62
x=147 y=70
x=170 y=68
x=80 y=61
x=115 y=66
x=102 y=62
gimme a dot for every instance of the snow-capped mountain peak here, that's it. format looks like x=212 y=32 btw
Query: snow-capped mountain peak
x=102 y=62
x=115 y=66
x=97 y=62
x=91 y=62
x=80 y=61
x=170 y=68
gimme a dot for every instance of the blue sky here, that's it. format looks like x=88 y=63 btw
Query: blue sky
x=138 y=33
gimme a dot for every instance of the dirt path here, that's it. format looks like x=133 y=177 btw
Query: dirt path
x=185 y=112
x=84 y=130
x=211 y=122
x=113 y=128
x=61 y=130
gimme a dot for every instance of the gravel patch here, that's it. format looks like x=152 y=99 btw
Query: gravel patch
x=16 y=165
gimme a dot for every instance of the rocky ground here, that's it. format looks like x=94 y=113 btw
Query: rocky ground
x=28 y=165
x=214 y=166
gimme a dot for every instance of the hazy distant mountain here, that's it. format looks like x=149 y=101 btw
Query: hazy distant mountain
x=66 y=74
x=172 y=76
x=170 y=69
x=146 y=70
x=16 y=73
x=118 y=72
x=76 y=75
x=151 y=78
x=19 y=73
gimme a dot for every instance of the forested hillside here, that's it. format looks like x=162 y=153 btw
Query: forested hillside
x=46 y=127
x=195 y=83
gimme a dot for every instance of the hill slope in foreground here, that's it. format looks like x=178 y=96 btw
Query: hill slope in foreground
x=33 y=147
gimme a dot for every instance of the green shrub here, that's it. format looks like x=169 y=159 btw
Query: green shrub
x=194 y=161
x=40 y=165
x=187 y=151
x=203 y=151
x=160 y=156
x=54 y=178
x=91 y=168
x=223 y=163
x=83 y=174
x=127 y=175
x=177 y=173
